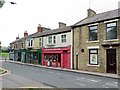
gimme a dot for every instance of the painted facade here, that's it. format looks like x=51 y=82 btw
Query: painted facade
x=56 y=46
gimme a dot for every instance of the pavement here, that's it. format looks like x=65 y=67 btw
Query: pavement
x=115 y=76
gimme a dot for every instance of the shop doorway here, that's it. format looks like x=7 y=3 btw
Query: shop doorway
x=111 y=61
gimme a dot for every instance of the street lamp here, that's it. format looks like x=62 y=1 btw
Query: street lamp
x=2 y=2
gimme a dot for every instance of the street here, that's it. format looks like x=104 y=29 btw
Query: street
x=29 y=76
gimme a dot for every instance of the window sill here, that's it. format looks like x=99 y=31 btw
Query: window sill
x=93 y=65
x=111 y=40
x=93 y=41
x=52 y=44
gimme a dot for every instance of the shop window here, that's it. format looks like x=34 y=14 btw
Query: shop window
x=93 y=56
x=93 y=33
x=111 y=31
x=53 y=59
x=63 y=38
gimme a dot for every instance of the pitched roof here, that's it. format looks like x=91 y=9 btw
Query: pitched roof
x=54 y=31
x=29 y=36
x=99 y=17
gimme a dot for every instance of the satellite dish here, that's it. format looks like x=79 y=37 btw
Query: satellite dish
x=1 y=3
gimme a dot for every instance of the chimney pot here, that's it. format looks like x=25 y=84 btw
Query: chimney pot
x=39 y=28
x=61 y=25
x=25 y=34
x=17 y=37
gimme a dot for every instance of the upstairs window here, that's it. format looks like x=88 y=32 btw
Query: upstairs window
x=22 y=44
x=51 y=39
x=40 y=42
x=30 y=43
x=93 y=33
x=111 y=30
x=63 y=38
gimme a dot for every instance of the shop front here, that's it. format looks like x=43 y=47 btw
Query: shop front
x=33 y=56
x=18 y=55
x=56 y=57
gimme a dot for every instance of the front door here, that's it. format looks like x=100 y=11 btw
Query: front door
x=111 y=61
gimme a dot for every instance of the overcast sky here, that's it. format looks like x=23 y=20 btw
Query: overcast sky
x=27 y=14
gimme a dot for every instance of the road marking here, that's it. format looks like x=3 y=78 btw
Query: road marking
x=106 y=85
x=92 y=80
x=111 y=84
x=83 y=85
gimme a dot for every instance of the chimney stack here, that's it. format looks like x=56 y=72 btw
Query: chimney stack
x=17 y=37
x=39 y=28
x=61 y=25
x=91 y=13
x=25 y=34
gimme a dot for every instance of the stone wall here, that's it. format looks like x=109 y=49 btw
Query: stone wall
x=81 y=41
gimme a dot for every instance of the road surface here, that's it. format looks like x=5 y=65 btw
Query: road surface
x=22 y=74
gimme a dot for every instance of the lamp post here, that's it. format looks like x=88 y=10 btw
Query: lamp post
x=2 y=2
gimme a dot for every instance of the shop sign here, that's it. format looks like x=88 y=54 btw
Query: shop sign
x=33 y=50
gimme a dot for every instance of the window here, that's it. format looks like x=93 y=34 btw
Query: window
x=93 y=33
x=16 y=45
x=63 y=38
x=30 y=43
x=54 y=39
x=93 y=56
x=111 y=31
x=22 y=44
x=40 y=42
x=51 y=40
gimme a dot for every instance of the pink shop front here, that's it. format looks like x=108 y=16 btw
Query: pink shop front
x=56 y=57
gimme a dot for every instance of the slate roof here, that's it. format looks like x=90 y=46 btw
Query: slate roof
x=29 y=36
x=54 y=31
x=99 y=17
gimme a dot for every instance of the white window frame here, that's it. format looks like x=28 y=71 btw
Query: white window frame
x=40 y=42
x=22 y=44
x=62 y=39
x=93 y=54
x=53 y=40
x=107 y=27
x=30 y=42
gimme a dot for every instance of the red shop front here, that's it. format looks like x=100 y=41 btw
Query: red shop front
x=57 y=57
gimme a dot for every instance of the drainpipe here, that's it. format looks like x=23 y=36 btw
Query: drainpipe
x=73 y=49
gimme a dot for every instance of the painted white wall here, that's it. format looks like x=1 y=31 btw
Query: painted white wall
x=58 y=40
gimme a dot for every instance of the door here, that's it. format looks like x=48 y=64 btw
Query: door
x=65 y=61
x=111 y=61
